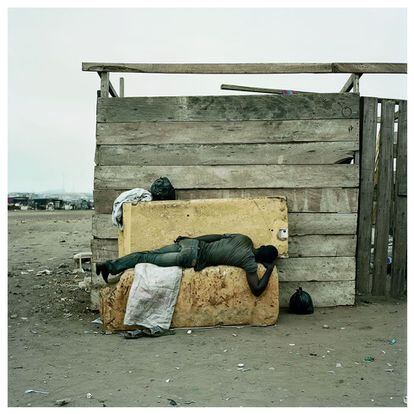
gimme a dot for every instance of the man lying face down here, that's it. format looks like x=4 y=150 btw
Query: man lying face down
x=200 y=252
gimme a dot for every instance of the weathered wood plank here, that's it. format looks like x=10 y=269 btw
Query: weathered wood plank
x=323 y=293
x=399 y=265
x=313 y=269
x=212 y=68
x=121 y=87
x=367 y=165
x=247 y=176
x=349 y=84
x=321 y=223
x=384 y=198
x=322 y=245
x=226 y=154
x=228 y=108
x=369 y=67
x=242 y=88
x=104 y=84
x=227 y=132
x=299 y=224
x=300 y=200
x=246 y=68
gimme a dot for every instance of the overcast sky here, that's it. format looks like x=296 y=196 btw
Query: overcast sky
x=52 y=103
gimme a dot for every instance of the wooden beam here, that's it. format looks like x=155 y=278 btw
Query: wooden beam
x=366 y=194
x=369 y=68
x=384 y=198
x=112 y=90
x=351 y=83
x=107 y=85
x=245 y=68
x=121 y=87
x=104 y=84
x=355 y=82
x=261 y=90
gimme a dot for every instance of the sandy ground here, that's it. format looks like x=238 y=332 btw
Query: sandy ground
x=54 y=347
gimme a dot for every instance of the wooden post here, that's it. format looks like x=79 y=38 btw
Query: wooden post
x=121 y=87
x=399 y=265
x=366 y=193
x=104 y=84
x=384 y=198
x=355 y=82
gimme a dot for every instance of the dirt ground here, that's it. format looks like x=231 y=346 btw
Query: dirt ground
x=54 y=347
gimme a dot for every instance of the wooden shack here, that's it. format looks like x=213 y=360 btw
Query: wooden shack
x=244 y=146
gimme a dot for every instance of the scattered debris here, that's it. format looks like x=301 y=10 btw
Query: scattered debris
x=97 y=320
x=312 y=354
x=225 y=350
x=172 y=402
x=62 y=402
x=338 y=365
x=392 y=341
x=13 y=316
x=240 y=365
x=23 y=318
x=89 y=395
x=189 y=331
x=272 y=368
x=291 y=344
x=369 y=359
x=405 y=400
x=168 y=380
x=36 y=392
x=234 y=334
x=389 y=370
x=43 y=272
x=189 y=402
x=325 y=326
x=331 y=372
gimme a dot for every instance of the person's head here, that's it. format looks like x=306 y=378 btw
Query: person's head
x=266 y=254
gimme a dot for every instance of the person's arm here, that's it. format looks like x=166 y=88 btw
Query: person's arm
x=258 y=286
x=207 y=238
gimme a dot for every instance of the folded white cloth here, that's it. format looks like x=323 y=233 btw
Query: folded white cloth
x=131 y=196
x=153 y=295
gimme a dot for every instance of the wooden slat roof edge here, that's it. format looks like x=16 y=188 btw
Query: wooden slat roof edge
x=246 y=68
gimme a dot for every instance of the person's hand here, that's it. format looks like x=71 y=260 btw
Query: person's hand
x=269 y=265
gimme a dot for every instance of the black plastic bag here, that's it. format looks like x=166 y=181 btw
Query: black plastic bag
x=162 y=189
x=301 y=302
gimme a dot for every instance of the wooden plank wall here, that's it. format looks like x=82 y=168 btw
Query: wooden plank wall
x=239 y=146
